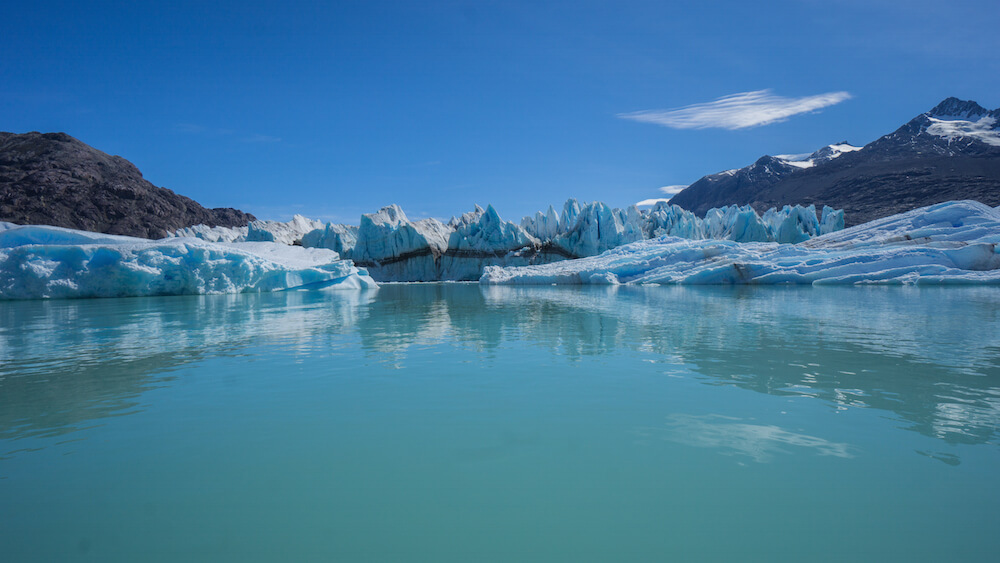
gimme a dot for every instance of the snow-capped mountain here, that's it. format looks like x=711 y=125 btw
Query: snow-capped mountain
x=741 y=185
x=824 y=154
x=951 y=152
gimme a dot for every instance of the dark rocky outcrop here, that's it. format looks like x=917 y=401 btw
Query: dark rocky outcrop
x=912 y=167
x=54 y=179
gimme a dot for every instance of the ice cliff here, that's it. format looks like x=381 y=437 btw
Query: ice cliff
x=51 y=262
x=952 y=242
x=394 y=248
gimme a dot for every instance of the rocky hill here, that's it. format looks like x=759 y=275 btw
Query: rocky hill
x=951 y=152
x=54 y=179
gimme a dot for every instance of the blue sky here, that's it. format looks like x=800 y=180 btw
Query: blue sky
x=336 y=109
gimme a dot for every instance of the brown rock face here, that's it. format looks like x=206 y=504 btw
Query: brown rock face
x=54 y=179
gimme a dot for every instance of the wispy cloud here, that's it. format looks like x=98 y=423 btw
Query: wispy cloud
x=737 y=111
x=669 y=191
x=651 y=202
x=672 y=190
x=196 y=129
x=258 y=138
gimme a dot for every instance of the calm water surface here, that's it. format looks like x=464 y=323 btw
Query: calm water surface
x=458 y=423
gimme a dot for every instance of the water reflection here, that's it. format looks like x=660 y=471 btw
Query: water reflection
x=64 y=363
x=732 y=436
x=929 y=356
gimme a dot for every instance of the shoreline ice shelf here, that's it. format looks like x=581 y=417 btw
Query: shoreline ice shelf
x=949 y=243
x=394 y=248
x=38 y=262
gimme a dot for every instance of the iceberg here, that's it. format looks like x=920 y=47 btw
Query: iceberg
x=952 y=242
x=212 y=234
x=289 y=232
x=39 y=262
x=336 y=237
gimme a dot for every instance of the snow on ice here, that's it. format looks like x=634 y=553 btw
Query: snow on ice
x=394 y=248
x=952 y=242
x=52 y=262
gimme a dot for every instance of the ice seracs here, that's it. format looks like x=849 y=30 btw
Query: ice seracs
x=394 y=248
x=50 y=262
x=952 y=242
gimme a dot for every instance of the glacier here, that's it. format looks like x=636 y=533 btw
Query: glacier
x=394 y=248
x=39 y=262
x=949 y=243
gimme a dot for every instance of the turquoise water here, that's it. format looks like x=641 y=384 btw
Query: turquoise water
x=458 y=423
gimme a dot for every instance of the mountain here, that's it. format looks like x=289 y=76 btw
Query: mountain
x=54 y=179
x=951 y=152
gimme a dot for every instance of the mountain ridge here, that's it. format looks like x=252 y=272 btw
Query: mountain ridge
x=951 y=152
x=56 y=179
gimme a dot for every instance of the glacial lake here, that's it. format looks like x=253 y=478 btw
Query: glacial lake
x=453 y=422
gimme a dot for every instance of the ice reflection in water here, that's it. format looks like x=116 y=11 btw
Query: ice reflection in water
x=454 y=422
x=64 y=363
x=731 y=436
x=930 y=356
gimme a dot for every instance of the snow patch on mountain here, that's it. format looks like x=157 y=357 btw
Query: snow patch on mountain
x=983 y=129
x=825 y=154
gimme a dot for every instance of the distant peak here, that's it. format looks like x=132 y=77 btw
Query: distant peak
x=955 y=108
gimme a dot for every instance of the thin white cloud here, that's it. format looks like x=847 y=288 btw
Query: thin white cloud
x=258 y=138
x=737 y=111
x=650 y=202
x=196 y=129
x=672 y=190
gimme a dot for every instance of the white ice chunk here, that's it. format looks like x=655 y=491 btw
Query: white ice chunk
x=339 y=238
x=51 y=262
x=284 y=233
x=213 y=234
x=953 y=242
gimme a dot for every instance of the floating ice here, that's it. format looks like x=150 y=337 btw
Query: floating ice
x=285 y=233
x=261 y=231
x=52 y=262
x=953 y=242
x=339 y=238
x=213 y=234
